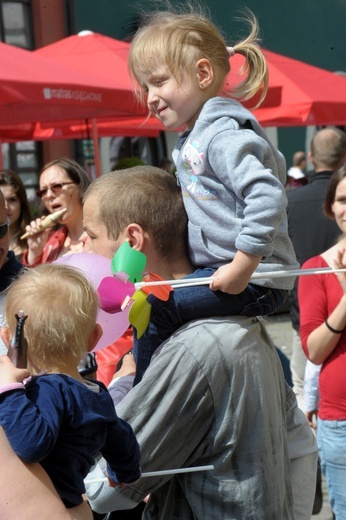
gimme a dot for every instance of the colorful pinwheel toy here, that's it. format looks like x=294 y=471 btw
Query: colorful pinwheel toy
x=119 y=294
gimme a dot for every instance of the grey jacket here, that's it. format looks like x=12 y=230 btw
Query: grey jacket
x=232 y=179
x=202 y=403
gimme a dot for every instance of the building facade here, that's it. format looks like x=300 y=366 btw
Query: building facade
x=307 y=30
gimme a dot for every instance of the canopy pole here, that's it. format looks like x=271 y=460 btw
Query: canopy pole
x=96 y=148
x=1 y=157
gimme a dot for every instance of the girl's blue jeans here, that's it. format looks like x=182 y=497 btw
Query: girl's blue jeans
x=191 y=303
x=331 y=440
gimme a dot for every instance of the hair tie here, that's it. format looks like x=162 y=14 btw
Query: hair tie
x=231 y=51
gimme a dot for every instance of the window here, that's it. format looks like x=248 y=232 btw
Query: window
x=16 y=23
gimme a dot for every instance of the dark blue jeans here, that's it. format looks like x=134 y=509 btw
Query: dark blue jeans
x=192 y=303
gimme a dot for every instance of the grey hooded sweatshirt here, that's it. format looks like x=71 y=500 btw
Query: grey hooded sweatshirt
x=232 y=180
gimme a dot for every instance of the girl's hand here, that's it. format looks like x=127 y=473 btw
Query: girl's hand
x=228 y=280
x=340 y=263
x=233 y=278
x=9 y=373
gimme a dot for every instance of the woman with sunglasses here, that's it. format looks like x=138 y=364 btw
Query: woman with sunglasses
x=62 y=186
x=17 y=210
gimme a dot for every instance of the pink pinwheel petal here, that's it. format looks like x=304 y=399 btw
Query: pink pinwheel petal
x=112 y=292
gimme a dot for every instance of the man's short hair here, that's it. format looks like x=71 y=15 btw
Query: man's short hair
x=147 y=196
x=328 y=148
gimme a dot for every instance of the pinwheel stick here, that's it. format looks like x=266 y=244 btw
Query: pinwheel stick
x=159 y=473
x=190 y=282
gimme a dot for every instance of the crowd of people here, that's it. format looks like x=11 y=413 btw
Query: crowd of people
x=204 y=386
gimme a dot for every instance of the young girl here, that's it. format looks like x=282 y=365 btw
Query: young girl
x=231 y=176
x=57 y=418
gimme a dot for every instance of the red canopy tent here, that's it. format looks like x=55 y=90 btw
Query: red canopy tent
x=310 y=95
x=81 y=129
x=299 y=94
x=34 y=88
x=107 y=59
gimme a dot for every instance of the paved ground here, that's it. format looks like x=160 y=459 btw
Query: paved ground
x=280 y=330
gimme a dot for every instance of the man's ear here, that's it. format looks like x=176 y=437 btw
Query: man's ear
x=94 y=337
x=205 y=73
x=135 y=236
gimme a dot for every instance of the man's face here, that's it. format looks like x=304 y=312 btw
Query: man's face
x=5 y=240
x=98 y=241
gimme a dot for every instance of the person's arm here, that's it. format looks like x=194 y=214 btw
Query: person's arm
x=101 y=496
x=261 y=196
x=159 y=410
x=122 y=381
x=30 y=427
x=311 y=394
x=313 y=302
x=121 y=451
x=27 y=493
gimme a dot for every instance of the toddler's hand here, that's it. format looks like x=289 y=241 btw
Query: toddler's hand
x=9 y=373
x=113 y=484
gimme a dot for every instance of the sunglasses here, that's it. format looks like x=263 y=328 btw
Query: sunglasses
x=4 y=229
x=55 y=188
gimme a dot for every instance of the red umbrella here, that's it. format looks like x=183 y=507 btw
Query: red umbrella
x=310 y=95
x=107 y=59
x=50 y=110
x=33 y=88
x=83 y=129
x=39 y=109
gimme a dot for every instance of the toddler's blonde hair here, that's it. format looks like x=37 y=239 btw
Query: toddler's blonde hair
x=61 y=306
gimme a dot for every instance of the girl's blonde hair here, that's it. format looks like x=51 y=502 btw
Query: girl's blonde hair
x=61 y=306
x=180 y=40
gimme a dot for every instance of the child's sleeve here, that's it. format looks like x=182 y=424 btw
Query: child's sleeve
x=122 y=453
x=31 y=428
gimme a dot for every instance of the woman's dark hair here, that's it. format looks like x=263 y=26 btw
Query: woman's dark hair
x=75 y=172
x=11 y=178
x=335 y=179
